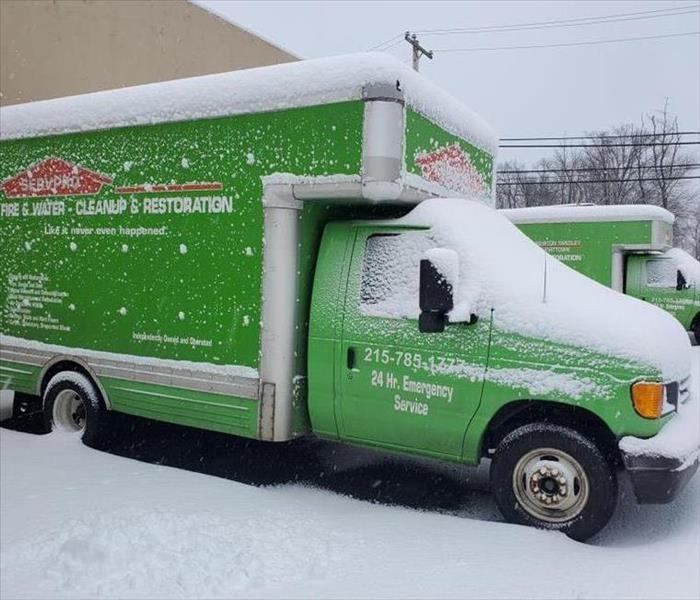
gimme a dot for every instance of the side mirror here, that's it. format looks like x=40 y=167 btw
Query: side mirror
x=681 y=283
x=435 y=298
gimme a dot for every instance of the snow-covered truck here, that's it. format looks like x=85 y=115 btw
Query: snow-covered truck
x=628 y=248
x=270 y=253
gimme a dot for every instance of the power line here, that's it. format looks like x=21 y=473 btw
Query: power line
x=567 y=44
x=555 y=22
x=599 y=137
x=577 y=22
x=616 y=145
x=390 y=46
x=398 y=38
x=593 y=169
x=589 y=181
x=645 y=14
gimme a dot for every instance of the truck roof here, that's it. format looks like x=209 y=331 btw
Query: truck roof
x=272 y=88
x=586 y=213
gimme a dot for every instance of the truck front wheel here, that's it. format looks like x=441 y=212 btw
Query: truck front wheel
x=552 y=477
x=72 y=403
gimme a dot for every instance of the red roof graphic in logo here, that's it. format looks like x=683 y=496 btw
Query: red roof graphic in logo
x=54 y=177
x=452 y=168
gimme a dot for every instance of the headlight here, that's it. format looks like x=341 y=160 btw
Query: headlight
x=648 y=399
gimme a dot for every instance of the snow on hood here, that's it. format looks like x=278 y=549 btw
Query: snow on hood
x=689 y=266
x=502 y=268
x=277 y=87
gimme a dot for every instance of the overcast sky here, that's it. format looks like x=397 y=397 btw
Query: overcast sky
x=525 y=92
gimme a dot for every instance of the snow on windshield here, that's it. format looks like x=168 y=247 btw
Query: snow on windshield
x=661 y=273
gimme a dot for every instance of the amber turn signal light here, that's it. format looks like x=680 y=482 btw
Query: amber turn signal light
x=648 y=399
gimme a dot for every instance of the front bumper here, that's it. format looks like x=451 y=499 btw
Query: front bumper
x=659 y=479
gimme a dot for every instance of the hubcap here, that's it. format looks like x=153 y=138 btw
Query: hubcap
x=69 y=412
x=551 y=485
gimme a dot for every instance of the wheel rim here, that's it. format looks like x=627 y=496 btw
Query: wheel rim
x=550 y=485
x=69 y=411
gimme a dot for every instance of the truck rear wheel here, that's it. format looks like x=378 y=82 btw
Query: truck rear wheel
x=552 y=477
x=72 y=403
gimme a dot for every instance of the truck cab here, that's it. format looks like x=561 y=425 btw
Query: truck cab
x=668 y=280
x=424 y=338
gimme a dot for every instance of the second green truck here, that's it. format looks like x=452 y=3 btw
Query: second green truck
x=628 y=248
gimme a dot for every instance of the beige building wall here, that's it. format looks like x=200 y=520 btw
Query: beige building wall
x=52 y=48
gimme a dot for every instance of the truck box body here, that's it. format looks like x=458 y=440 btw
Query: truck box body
x=166 y=235
x=619 y=246
x=590 y=238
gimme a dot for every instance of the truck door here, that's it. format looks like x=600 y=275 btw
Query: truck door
x=399 y=387
x=655 y=279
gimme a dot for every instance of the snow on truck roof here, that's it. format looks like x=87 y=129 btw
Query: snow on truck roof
x=277 y=87
x=578 y=213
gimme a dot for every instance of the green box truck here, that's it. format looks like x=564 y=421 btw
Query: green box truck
x=270 y=253
x=628 y=248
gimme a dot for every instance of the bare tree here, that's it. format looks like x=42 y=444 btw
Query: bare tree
x=507 y=193
x=662 y=155
x=637 y=165
x=613 y=165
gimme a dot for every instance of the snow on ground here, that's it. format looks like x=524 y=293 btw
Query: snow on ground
x=81 y=523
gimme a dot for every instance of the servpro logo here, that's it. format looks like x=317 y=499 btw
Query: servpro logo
x=451 y=168
x=54 y=177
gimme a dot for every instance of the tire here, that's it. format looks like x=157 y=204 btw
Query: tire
x=72 y=403
x=552 y=477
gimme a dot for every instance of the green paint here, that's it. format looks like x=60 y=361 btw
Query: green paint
x=216 y=412
x=201 y=279
x=19 y=377
x=643 y=282
x=314 y=219
x=588 y=248
x=424 y=137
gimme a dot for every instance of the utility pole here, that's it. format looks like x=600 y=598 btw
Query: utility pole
x=418 y=50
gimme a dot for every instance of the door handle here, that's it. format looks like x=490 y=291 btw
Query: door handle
x=351 y=358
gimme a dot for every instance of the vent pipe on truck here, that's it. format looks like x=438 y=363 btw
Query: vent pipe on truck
x=383 y=145
x=279 y=305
